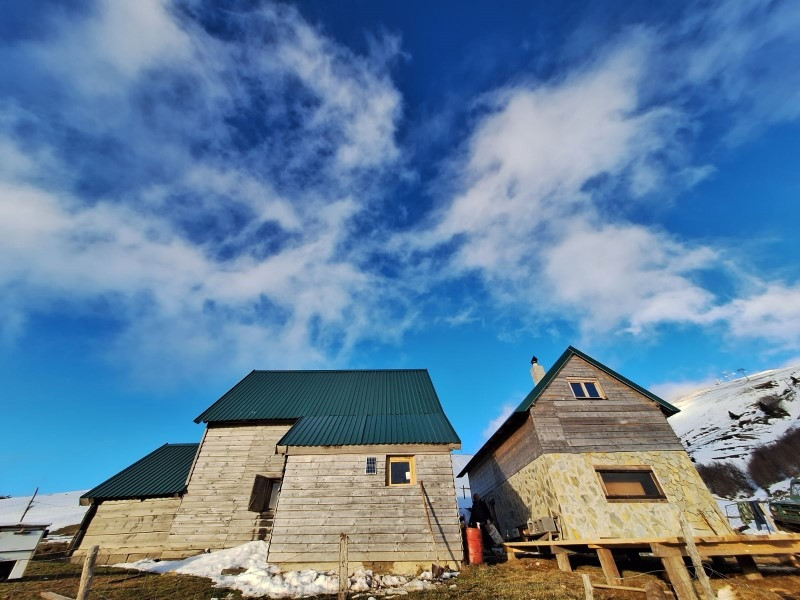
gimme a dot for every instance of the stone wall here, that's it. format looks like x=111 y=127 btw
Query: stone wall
x=567 y=486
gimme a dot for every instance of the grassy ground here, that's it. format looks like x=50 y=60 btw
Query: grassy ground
x=527 y=579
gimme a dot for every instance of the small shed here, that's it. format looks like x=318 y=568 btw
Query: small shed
x=17 y=546
x=131 y=513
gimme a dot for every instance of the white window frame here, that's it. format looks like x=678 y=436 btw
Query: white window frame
x=582 y=381
x=374 y=460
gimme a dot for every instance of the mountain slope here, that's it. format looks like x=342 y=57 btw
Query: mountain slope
x=729 y=421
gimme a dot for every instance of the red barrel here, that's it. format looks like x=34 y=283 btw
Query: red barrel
x=474 y=546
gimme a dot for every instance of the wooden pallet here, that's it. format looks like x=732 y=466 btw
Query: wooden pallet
x=671 y=551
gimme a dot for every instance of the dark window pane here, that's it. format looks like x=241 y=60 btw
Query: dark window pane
x=372 y=465
x=630 y=484
x=591 y=389
x=275 y=491
x=400 y=472
x=577 y=390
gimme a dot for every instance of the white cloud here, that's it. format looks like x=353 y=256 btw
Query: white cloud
x=672 y=391
x=771 y=314
x=495 y=423
x=209 y=250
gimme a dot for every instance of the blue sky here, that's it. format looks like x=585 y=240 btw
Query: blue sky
x=190 y=190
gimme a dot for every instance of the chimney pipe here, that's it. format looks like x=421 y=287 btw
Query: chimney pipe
x=537 y=372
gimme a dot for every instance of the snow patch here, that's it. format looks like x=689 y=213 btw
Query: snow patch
x=724 y=423
x=57 y=510
x=263 y=579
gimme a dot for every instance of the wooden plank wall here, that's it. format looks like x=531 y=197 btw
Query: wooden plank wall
x=325 y=495
x=518 y=451
x=129 y=529
x=624 y=421
x=214 y=512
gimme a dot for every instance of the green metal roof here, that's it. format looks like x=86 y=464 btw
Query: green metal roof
x=163 y=472
x=515 y=417
x=333 y=408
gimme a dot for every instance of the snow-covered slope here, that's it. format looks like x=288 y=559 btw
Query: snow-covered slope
x=56 y=510
x=726 y=423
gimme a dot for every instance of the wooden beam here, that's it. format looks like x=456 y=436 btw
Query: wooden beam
x=749 y=567
x=562 y=559
x=587 y=587
x=609 y=566
x=679 y=577
x=699 y=570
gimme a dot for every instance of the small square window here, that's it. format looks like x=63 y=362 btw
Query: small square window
x=585 y=389
x=372 y=465
x=400 y=470
x=630 y=484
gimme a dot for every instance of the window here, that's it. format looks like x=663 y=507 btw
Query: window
x=371 y=467
x=265 y=494
x=585 y=388
x=400 y=470
x=633 y=483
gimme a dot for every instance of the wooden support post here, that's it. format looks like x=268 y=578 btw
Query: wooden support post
x=678 y=576
x=87 y=574
x=344 y=573
x=749 y=567
x=587 y=587
x=510 y=555
x=562 y=559
x=700 y=573
x=609 y=566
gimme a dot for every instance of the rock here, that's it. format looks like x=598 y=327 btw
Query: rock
x=452 y=587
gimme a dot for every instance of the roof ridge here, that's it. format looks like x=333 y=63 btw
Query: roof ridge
x=335 y=370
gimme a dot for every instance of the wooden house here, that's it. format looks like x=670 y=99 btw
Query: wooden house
x=295 y=458
x=594 y=452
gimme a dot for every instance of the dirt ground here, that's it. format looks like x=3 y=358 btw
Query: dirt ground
x=526 y=579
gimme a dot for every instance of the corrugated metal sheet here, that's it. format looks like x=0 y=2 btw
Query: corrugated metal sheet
x=340 y=407
x=353 y=430
x=163 y=472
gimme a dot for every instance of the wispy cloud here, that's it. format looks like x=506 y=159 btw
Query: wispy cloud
x=202 y=180
x=544 y=192
x=495 y=423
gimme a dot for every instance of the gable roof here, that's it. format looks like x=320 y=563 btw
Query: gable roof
x=534 y=394
x=519 y=413
x=163 y=472
x=340 y=408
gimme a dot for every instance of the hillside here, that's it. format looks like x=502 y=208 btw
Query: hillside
x=728 y=423
x=57 y=510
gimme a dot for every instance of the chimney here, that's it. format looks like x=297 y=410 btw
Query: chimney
x=537 y=372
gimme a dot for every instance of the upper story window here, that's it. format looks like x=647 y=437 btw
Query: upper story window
x=586 y=388
x=371 y=468
x=400 y=470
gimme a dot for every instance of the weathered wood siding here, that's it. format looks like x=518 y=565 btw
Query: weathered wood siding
x=518 y=450
x=213 y=513
x=325 y=495
x=624 y=421
x=129 y=529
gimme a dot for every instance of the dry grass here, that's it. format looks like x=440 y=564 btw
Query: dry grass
x=526 y=579
x=110 y=584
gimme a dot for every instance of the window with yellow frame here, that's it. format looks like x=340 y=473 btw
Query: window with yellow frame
x=400 y=470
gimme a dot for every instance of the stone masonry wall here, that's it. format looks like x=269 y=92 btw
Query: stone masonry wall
x=567 y=486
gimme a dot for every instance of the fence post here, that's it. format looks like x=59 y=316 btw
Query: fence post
x=343 y=567
x=87 y=574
